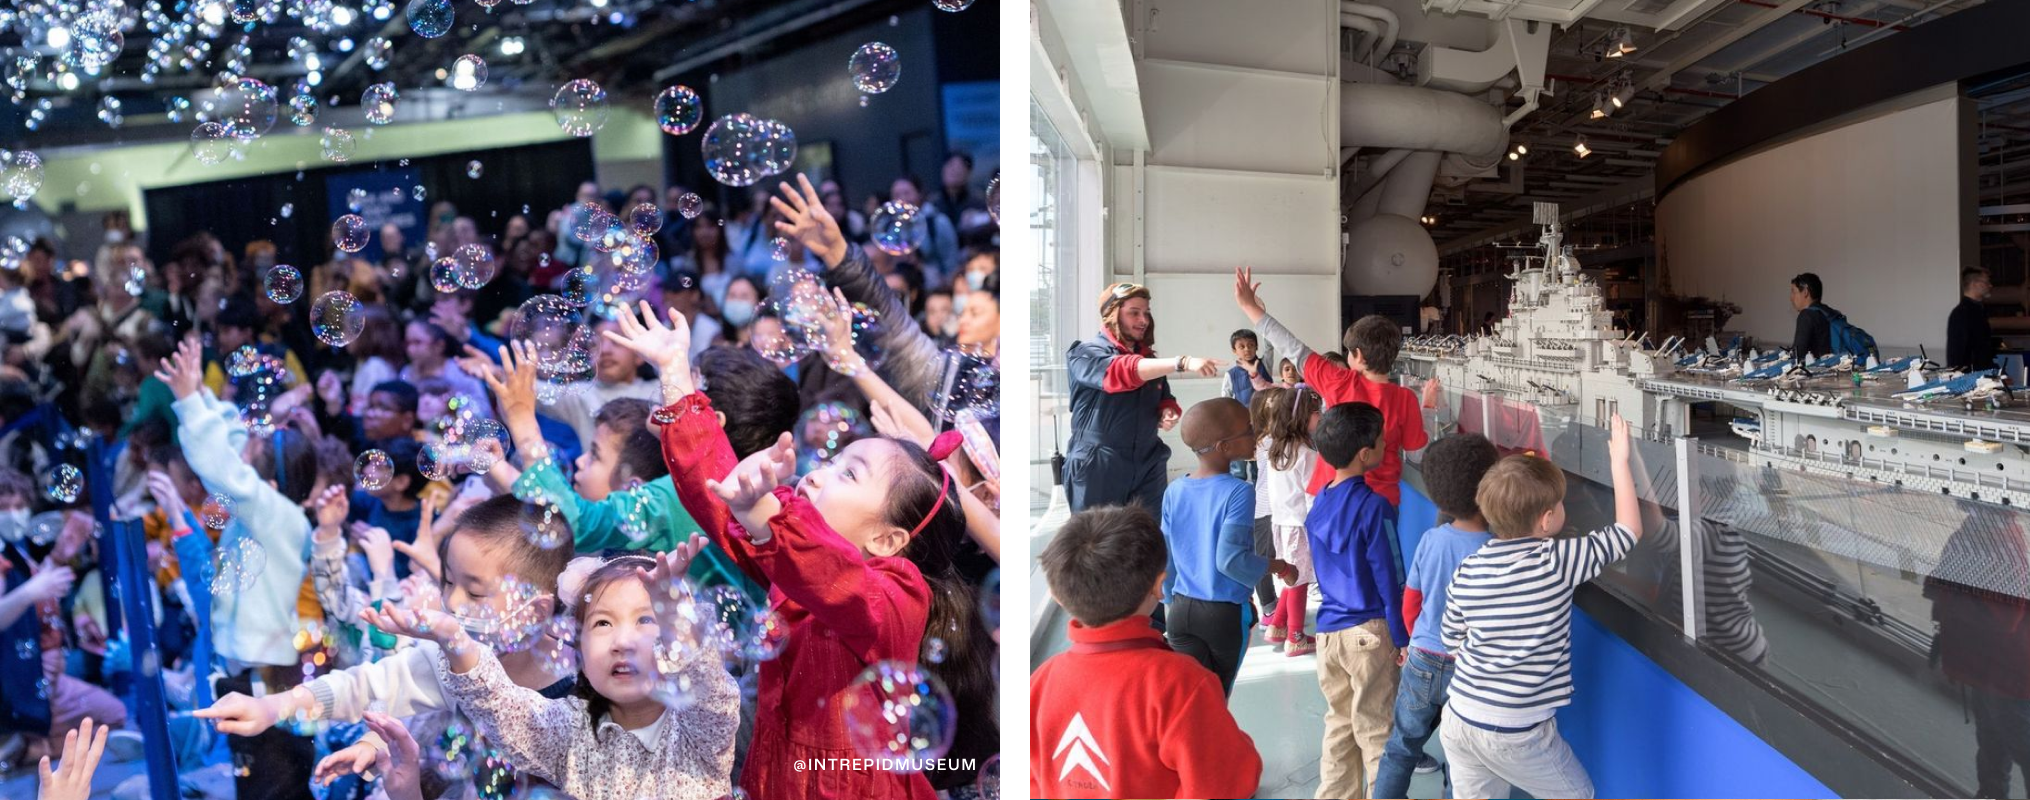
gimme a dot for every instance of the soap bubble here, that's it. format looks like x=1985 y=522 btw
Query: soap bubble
x=580 y=107
x=973 y=383
x=444 y=275
x=778 y=147
x=555 y=654
x=545 y=526
x=302 y=111
x=21 y=174
x=645 y=219
x=217 y=510
x=559 y=332
x=283 y=284
x=988 y=783
x=338 y=144
x=778 y=248
x=474 y=169
x=690 y=205
x=377 y=51
x=179 y=107
x=64 y=483
x=373 y=469
x=237 y=566
x=900 y=711
x=468 y=73
x=475 y=432
x=875 y=67
x=580 y=284
x=288 y=210
x=952 y=5
x=935 y=650
x=336 y=318
x=349 y=233
x=109 y=111
x=994 y=199
x=246 y=107
x=431 y=18
x=898 y=228
x=46 y=526
x=633 y=254
x=355 y=199
x=735 y=149
x=476 y=266
x=378 y=102
x=679 y=110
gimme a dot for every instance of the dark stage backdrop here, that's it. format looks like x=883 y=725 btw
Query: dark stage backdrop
x=542 y=177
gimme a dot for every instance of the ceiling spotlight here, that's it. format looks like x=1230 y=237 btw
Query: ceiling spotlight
x=1581 y=148
x=1600 y=107
x=1625 y=94
x=1522 y=149
x=512 y=46
x=1620 y=42
x=1513 y=155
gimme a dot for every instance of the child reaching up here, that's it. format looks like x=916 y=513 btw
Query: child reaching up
x=626 y=733
x=857 y=558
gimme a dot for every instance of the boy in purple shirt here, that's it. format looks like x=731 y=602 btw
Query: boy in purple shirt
x=1360 y=621
x=1452 y=470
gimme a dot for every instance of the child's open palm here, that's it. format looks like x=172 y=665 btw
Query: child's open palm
x=183 y=370
x=748 y=491
x=666 y=346
x=1618 y=444
x=516 y=390
x=803 y=216
x=416 y=623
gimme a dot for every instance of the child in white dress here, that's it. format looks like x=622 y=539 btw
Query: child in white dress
x=1285 y=419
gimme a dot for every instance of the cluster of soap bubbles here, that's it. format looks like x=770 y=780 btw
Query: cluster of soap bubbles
x=875 y=67
x=898 y=710
x=970 y=381
x=259 y=378
x=337 y=318
x=373 y=470
x=236 y=565
x=740 y=629
x=544 y=526
x=679 y=110
x=580 y=106
x=803 y=303
x=463 y=434
x=741 y=149
x=509 y=625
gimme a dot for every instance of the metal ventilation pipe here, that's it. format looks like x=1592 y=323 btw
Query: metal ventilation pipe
x=1388 y=20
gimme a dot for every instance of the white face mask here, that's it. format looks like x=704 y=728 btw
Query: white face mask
x=116 y=236
x=958 y=305
x=975 y=279
x=14 y=524
x=739 y=312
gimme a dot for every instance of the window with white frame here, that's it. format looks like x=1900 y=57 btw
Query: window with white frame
x=1052 y=305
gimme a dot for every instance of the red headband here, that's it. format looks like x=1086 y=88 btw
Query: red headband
x=941 y=448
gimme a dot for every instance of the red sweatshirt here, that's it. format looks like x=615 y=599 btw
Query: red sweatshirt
x=841 y=612
x=1402 y=422
x=1120 y=715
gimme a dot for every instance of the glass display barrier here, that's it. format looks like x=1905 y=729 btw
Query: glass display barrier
x=1902 y=615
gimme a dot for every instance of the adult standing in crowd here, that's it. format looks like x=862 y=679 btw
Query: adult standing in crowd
x=1969 y=344
x=1814 y=334
x=1120 y=403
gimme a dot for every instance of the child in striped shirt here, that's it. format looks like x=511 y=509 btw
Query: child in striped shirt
x=1508 y=618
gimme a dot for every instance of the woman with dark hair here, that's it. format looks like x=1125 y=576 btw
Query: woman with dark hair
x=707 y=255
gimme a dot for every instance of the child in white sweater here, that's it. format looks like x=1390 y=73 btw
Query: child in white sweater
x=1285 y=418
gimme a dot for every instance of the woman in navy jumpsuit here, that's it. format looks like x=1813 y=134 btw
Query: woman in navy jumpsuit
x=1118 y=410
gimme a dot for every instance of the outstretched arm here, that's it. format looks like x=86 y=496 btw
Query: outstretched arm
x=1278 y=337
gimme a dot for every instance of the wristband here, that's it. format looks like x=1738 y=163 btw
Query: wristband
x=1180 y=364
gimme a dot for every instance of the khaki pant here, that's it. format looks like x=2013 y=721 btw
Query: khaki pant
x=1357 y=670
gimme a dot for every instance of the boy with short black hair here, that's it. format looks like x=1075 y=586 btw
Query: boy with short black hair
x=1452 y=470
x=1240 y=382
x=1360 y=620
x=1508 y=619
x=1119 y=715
x=1208 y=523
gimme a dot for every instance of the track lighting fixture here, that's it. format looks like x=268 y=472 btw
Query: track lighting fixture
x=1620 y=42
x=1580 y=147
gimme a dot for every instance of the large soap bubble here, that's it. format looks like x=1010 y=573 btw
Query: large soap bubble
x=468 y=73
x=898 y=228
x=21 y=174
x=875 y=67
x=431 y=18
x=247 y=107
x=349 y=233
x=900 y=712
x=378 y=103
x=678 y=110
x=338 y=145
x=741 y=149
x=337 y=318
x=475 y=265
x=560 y=333
x=580 y=107
x=283 y=284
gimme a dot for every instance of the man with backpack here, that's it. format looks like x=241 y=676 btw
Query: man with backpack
x=1822 y=331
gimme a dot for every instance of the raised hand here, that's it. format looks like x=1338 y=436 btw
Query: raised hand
x=400 y=764
x=1619 y=445
x=378 y=547
x=749 y=490
x=332 y=391
x=668 y=347
x=72 y=778
x=1434 y=394
x=1246 y=294
x=835 y=321
x=415 y=623
x=331 y=507
x=183 y=370
x=50 y=582
x=803 y=217
x=423 y=552
x=355 y=759
x=900 y=420
x=514 y=387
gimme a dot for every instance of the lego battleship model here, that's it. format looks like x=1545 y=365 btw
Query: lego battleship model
x=1557 y=368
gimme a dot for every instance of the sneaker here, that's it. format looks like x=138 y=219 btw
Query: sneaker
x=1301 y=645
x=124 y=745
x=1428 y=765
x=1277 y=636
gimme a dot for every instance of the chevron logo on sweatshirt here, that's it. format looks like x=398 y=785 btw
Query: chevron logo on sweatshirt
x=1078 y=741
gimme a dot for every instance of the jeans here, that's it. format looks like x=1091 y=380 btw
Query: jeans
x=1486 y=763
x=1426 y=678
x=2001 y=741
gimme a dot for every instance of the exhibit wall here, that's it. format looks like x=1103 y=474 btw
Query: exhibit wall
x=1878 y=207
x=1687 y=747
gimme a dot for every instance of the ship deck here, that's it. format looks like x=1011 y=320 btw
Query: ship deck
x=1872 y=403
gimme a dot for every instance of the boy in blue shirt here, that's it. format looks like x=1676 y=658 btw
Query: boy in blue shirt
x=1208 y=524
x=1360 y=621
x=1249 y=367
x=1452 y=470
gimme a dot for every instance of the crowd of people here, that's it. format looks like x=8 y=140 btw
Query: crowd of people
x=424 y=560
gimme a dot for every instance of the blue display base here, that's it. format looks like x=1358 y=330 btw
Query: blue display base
x=1639 y=730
